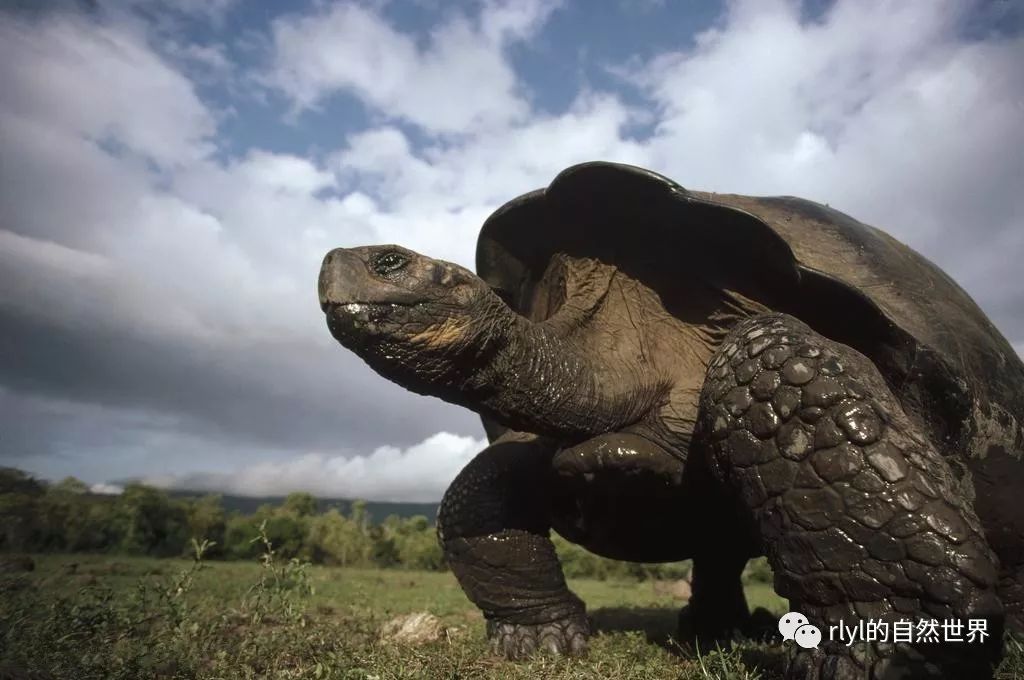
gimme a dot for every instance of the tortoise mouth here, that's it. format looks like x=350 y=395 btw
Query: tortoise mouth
x=350 y=321
x=357 y=307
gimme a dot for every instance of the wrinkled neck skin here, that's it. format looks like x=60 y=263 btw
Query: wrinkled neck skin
x=542 y=383
x=525 y=375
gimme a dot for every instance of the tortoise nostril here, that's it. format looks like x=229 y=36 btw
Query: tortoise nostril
x=342 y=277
x=324 y=281
x=330 y=257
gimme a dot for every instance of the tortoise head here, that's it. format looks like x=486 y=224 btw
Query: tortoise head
x=404 y=313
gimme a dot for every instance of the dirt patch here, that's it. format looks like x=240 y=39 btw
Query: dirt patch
x=678 y=589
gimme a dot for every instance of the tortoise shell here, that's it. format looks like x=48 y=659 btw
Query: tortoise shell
x=939 y=353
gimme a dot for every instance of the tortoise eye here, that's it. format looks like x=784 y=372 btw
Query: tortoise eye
x=389 y=262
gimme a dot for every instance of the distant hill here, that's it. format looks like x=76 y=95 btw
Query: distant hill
x=377 y=510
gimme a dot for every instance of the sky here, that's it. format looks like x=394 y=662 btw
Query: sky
x=172 y=173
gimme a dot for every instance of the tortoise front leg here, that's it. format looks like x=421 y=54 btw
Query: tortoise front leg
x=494 y=528
x=860 y=516
x=614 y=492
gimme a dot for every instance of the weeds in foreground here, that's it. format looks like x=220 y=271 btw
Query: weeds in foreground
x=163 y=628
x=282 y=586
x=722 y=665
x=154 y=630
x=217 y=620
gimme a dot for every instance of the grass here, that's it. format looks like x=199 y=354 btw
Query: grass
x=87 y=617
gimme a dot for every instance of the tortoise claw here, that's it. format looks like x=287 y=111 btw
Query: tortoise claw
x=563 y=637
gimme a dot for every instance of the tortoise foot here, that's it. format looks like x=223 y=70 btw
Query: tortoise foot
x=710 y=632
x=566 y=637
x=707 y=632
x=762 y=626
x=880 y=662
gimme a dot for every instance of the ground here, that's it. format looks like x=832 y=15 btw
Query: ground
x=115 y=617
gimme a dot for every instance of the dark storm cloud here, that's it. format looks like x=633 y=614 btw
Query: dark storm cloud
x=290 y=397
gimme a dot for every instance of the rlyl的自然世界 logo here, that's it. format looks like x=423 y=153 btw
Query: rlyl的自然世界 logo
x=795 y=626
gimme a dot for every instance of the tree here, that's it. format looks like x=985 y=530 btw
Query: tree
x=151 y=523
x=71 y=486
x=336 y=539
x=19 y=494
x=95 y=526
x=13 y=480
x=207 y=520
x=385 y=552
x=287 y=533
x=240 y=533
x=301 y=504
x=360 y=515
x=418 y=547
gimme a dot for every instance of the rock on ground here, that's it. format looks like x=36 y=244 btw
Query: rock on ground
x=413 y=629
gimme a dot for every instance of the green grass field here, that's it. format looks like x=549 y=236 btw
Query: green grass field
x=82 y=617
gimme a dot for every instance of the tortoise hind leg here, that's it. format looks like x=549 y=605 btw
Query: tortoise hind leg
x=717 y=609
x=861 y=518
x=494 y=530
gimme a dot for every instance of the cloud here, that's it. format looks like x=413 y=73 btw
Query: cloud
x=107 y=489
x=161 y=16
x=208 y=64
x=642 y=6
x=434 y=199
x=57 y=73
x=457 y=82
x=211 y=9
x=419 y=473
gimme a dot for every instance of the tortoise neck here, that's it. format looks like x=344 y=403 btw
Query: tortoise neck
x=535 y=379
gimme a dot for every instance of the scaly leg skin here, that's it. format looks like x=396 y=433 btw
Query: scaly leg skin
x=1011 y=592
x=493 y=527
x=860 y=516
x=717 y=609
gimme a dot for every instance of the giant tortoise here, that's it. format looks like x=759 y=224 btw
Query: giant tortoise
x=667 y=374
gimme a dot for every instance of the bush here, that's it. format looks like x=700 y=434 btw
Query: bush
x=151 y=523
x=336 y=539
x=416 y=543
x=240 y=534
x=146 y=521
